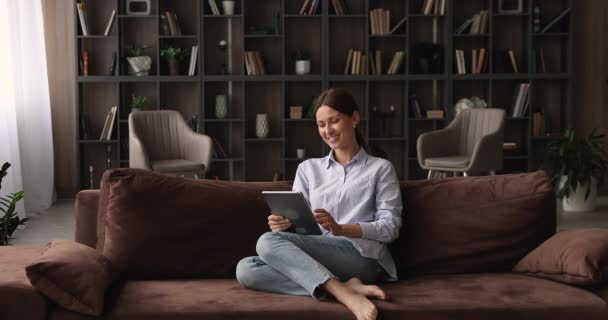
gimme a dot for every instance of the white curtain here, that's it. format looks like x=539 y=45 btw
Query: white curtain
x=26 y=139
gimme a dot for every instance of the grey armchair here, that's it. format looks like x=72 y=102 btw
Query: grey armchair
x=162 y=141
x=472 y=143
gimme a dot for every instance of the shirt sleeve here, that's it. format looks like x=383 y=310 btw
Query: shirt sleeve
x=387 y=218
x=300 y=182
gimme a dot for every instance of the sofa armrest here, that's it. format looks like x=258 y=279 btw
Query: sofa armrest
x=87 y=204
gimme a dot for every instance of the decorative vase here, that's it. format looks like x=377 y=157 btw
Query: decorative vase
x=576 y=201
x=221 y=106
x=139 y=66
x=261 y=125
x=173 y=67
x=302 y=67
x=228 y=6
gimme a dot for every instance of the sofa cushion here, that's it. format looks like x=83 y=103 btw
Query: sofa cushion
x=157 y=225
x=466 y=297
x=578 y=257
x=18 y=298
x=473 y=224
x=72 y=275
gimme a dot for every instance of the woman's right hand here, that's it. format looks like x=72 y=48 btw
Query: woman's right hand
x=278 y=222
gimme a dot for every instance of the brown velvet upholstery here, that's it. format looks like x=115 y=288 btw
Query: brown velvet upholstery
x=473 y=224
x=87 y=202
x=18 y=298
x=466 y=297
x=158 y=225
x=72 y=275
x=578 y=257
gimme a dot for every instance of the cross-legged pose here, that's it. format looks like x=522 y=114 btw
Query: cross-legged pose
x=357 y=202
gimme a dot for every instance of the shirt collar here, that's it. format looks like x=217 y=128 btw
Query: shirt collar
x=361 y=157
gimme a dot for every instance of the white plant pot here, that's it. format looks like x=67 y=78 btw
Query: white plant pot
x=228 y=6
x=139 y=66
x=302 y=67
x=576 y=201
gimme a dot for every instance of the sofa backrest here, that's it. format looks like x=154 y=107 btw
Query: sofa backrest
x=152 y=225
x=473 y=224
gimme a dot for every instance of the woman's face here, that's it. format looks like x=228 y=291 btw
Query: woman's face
x=337 y=129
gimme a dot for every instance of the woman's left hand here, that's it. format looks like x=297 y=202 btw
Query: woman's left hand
x=327 y=221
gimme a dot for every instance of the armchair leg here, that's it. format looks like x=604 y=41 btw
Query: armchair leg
x=465 y=174
x=430 y=175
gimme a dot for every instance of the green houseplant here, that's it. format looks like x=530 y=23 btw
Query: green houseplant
x=575 y=164
x=174 y=56
x=138 y=103
x=10 y=221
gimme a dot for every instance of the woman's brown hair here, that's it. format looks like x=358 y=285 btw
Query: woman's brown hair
x=342 y=101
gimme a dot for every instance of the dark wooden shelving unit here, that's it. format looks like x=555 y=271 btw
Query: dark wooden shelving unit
x=326 y=38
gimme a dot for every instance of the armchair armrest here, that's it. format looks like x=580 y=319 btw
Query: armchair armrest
x=198 y=148
x=138 y=157
x=487 y=153
x=437 y=143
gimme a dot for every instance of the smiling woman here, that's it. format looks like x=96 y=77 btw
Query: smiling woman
x=25 y=112
x=357 y=202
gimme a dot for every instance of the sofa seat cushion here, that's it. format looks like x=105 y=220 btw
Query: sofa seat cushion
x=490 y=296
x=215 y=299
x=177 y=165
x=466 y=297
x=18 y=298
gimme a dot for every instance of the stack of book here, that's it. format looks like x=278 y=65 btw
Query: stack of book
x=479 y=58
x=108 y=126
x=193 y=58
x=477 y=24
x=521 y=100
x=380 y=21
x=309 y=7
x=254 y=63
x=355 y=62
x=340 y=7
x=436 y=7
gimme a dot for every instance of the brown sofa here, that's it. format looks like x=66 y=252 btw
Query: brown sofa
x=176 y=242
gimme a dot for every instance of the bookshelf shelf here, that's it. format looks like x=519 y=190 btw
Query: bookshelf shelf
x=325 y=37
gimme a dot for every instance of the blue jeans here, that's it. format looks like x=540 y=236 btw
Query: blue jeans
x=295 y=264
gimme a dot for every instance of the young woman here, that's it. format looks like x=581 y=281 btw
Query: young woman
x=357 y=201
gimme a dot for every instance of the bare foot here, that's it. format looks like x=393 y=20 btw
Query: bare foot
x=356 y=302
x=370 y=291
x=361 y=306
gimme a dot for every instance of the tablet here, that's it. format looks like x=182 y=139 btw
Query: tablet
x=293 y=206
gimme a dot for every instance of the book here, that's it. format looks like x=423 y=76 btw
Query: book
x=221 y=152
x=193 y=58
x=349 y=58
x=509 y=145
x=379 y=61
x=108 y=125
x=303 y=9
x=110 y=23
x=542 y=60
x=112 y=121
x=481 y=59
x=474 y=61
x=434 y=114
x=372 y=64
x=260 y=62
x=555 y=20
x=398 y=25
x=513 y=62
x=415 y=109
x=313 y=7
x=172 y=23
x=82 y=18
x=113 y=65
x=164 y=25
x=214 y=8
x=467 y=23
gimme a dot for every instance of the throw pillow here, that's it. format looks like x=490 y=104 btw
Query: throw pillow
x=72 y=275
x=578 y=257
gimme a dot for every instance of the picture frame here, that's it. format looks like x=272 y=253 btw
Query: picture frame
x=510 y=6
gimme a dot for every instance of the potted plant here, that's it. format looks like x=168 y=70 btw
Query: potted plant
x=139 y=64
x=575 y=165
x=138 y=103
x=302 y=62
x=174 y=56
x=9 y=221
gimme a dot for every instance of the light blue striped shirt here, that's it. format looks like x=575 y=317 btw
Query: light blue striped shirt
x=365 y=191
